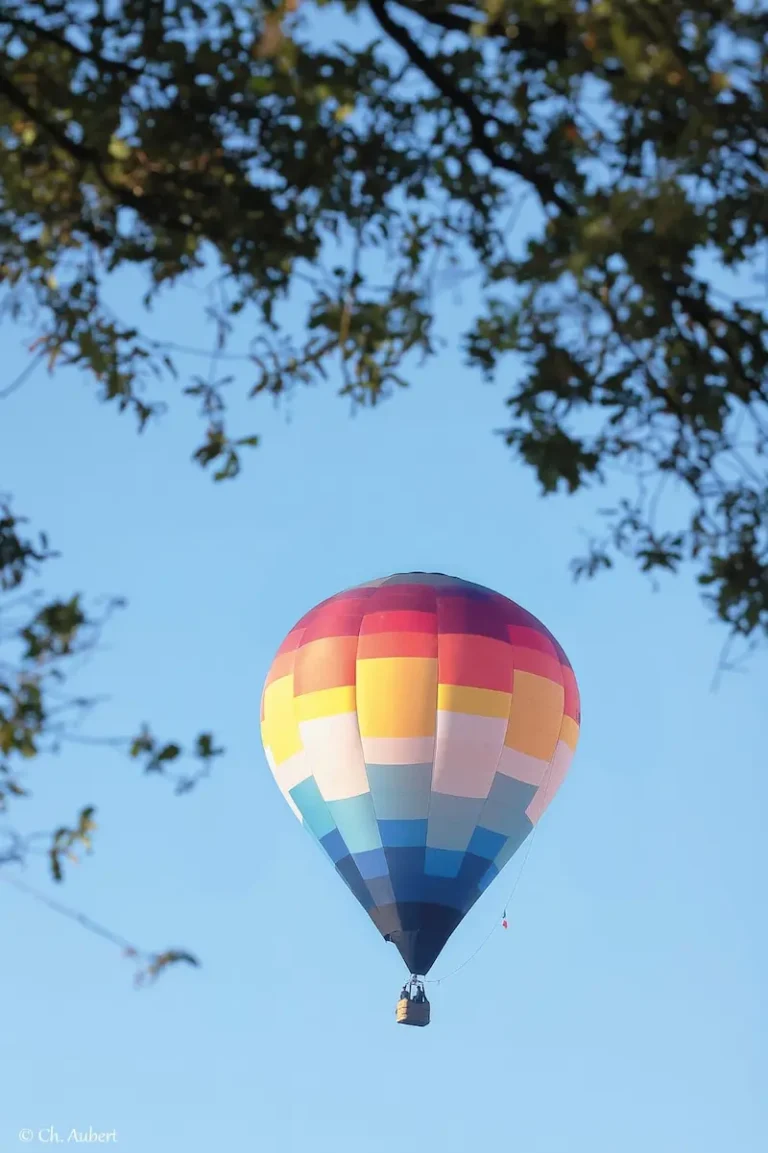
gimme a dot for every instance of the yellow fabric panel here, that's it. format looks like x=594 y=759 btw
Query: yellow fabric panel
x=396 y=696
x=536 y=715
x=570 y=732
x=325 y=703
x=281 y=728
x=477 y=702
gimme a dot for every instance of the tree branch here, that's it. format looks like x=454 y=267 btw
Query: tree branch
x=525 y=166
x=87 y=156
x=152 y=963
x=53 y=35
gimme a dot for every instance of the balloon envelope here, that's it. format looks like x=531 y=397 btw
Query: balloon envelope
x=419 y=725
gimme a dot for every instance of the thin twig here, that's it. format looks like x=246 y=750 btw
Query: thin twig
x=73 y=915
x=23 y=377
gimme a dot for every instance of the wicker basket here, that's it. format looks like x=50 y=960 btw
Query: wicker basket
x=412 y=1012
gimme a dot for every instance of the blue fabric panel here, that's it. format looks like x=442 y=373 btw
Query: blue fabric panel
x=504 y=811
x=443 y=862
x=314 y=810
x=356 y=821
x=405 y=834
x=371 y=864
x=400 y=792
x=381 y=891
x=333 y=843
x=485 y=843
x=489 y=875
x=347 y=868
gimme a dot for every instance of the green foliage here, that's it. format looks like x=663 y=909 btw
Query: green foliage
x=157 y=756
x=177 y=135
x=38 y=715
x=65 y=839
x=161 y=961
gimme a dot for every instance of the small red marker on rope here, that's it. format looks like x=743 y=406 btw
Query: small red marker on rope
x=504 y=923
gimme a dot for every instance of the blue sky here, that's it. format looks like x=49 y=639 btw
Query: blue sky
x=621 y=1011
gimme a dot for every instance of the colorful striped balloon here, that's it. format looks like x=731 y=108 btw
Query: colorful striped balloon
x=419 y=725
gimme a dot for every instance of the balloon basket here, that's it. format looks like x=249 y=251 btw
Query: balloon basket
x=413 y=1006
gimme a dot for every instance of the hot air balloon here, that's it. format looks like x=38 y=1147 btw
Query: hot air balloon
x=419 y=725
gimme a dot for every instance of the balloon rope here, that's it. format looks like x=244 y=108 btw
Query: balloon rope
x=545 y=785
x=484 y=942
